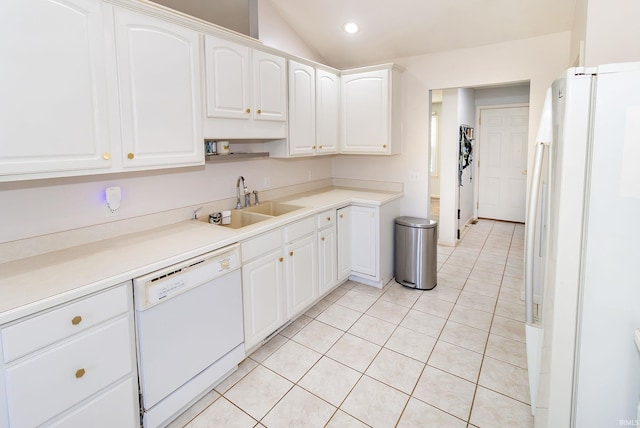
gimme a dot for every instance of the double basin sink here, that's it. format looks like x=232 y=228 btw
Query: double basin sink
x=257 y=213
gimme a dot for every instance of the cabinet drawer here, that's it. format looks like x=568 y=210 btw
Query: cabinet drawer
x=49 y=383
x=261 y=245
x=42 y=330
x=299 y=229
x=114 y=408
x=325 y=219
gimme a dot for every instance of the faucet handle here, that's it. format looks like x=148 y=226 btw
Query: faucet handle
x=255 y=194
x=195 y=213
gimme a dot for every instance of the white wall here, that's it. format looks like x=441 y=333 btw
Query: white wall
x=434 y=189
x=612 y=31
x=38 y=207
x=512 y=94
x=277 y=33
x=447 y=221
x=538 y=60
x=467 y=116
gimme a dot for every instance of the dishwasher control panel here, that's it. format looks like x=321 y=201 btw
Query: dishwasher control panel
x=158 y=286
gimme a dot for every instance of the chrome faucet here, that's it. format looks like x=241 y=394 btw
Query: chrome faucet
x=245 y=192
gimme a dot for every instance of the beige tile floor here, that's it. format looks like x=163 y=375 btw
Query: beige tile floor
x=453 y=356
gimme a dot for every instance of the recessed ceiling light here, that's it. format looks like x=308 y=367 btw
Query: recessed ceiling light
x=350 y=27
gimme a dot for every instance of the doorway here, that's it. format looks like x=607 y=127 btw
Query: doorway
x=455 y=201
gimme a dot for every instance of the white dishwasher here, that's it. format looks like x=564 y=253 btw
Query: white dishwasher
x=189 y=331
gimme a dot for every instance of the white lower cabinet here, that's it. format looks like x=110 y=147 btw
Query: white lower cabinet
x=327 y=252
x=263 y=288
x=343 y=232
x=364 y=239
x=86 y=376
x=279 y=278
x=372 y=229
x=302 y=274
x=263 y=296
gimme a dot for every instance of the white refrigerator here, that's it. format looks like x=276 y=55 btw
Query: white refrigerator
x=583 y=252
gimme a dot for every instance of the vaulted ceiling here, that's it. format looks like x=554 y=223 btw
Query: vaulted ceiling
x=396 y=28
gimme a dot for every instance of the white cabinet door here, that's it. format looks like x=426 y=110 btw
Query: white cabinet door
x=365 y=112
x=327 y=112
x=371 y=110
x=344 y=228
x=302 y=109
x=228 y=84
x=364 y=239
x=327 y=260
x=263 y=296
x=53 y=90
x=302 y=274
x=159 y=78
x=269 y=87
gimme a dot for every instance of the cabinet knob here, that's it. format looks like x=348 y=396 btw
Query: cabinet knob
x=80 y=373
x=281 y=259
x=259 y=111
x=322 y=239
x=106 y=156
x=291 y=253
x=384 y=146
x=76 y=320
x=130 y=155
x=341 y=215
x=248 y=110
x=314 y=147
x=320 y=147
x=328 y=218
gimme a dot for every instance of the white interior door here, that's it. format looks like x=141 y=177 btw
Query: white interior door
x=503 y=163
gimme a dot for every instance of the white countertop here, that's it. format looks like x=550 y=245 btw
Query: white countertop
x=37 y=283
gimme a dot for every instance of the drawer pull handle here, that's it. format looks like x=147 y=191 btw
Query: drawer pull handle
x=291 y=253
x=76 y=320
x=281 y=259
x=80 y=373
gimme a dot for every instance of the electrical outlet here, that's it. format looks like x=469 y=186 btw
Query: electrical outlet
x=108 y=212
x=266 y=183
x=414 y=176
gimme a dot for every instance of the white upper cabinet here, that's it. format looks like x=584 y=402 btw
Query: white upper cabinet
x=247 y=86
x=302 y=109
x=327 y=112
x=53 y=91
x=228 y=79
x=159 y=78
x=313 y=112
x=371 y=110
x=269 y=86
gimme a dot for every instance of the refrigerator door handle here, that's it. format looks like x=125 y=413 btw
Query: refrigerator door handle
x=531 y=229
x=534 y=333
x=543 y=139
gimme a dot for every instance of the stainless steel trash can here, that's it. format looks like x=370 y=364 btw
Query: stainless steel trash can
x=416 y=246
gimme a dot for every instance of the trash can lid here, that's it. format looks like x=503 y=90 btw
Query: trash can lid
x=422 y=223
